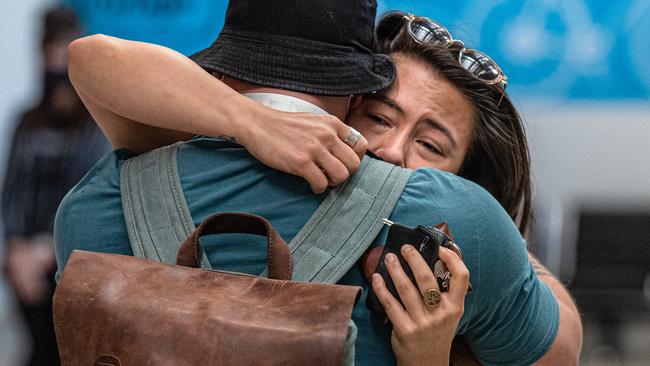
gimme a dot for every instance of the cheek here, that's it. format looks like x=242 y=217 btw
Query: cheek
x=355 y=119
x=451 y=165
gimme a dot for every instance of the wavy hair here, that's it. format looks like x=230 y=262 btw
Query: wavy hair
x=498 y=158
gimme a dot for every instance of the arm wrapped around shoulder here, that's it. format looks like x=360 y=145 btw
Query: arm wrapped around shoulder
x=512 y=316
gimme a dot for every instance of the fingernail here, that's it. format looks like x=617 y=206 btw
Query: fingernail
x=375 y=278
x=407 y=248
x=390 y=258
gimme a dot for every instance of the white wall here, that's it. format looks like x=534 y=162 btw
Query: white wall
x=19 y=63
x=586 y=155
x=20 y=31
x=19 y=40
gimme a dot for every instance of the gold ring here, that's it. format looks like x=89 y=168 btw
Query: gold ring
x=431 y=297
x=352 y=138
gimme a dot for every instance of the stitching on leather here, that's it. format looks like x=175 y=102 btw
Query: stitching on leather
x=195 y=244
x=271 y=240
x=107 y=360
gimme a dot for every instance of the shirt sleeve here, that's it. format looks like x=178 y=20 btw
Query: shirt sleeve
x=511 y=317
x=514 y=316
x=90 y=217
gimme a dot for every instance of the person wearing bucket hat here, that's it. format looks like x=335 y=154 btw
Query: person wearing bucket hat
x=265 y=44
x=266 y=190
x=274 y=43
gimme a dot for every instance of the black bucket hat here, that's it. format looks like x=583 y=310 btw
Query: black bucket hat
x=317 y=47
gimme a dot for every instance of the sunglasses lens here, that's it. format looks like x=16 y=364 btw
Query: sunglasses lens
x=480 y=65
x=426 y=31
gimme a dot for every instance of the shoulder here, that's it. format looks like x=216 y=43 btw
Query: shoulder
x=508 y=300
x=433 y=190
x=223 y=162
x=206 y=147
x=76 y=207
x=90 y=215
x=478 y=222
x=491 y=242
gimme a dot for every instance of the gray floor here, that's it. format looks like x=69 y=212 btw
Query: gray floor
x=13 y=340
x=634 y=341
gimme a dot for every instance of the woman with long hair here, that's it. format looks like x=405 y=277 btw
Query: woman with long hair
x=447 y=109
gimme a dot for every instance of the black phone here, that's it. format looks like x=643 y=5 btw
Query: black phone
x=425 y=240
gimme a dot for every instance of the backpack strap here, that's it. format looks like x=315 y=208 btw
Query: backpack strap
x=347 y=222
x=156 y=213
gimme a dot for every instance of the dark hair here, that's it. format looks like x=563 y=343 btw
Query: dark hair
x=59 y=24
x=498 y=157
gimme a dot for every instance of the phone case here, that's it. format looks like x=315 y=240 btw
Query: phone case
x=425 y=240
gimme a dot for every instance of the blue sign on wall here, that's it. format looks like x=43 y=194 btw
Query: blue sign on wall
x=574 y=49
x=184 y=25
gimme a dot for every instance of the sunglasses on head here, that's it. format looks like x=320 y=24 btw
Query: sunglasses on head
x=427 y=31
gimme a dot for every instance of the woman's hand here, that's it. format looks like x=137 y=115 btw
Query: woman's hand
x=422 y=334
x=304 y=144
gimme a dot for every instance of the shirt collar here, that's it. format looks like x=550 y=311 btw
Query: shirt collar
x=285 y=103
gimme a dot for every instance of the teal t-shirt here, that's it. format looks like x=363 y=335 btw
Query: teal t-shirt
x=511 y=318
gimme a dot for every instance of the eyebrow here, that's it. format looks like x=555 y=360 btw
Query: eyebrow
x=388 y=101
x=437 y=126
x=429 y=122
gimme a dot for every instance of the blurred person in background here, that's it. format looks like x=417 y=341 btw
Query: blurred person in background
x=54 y=144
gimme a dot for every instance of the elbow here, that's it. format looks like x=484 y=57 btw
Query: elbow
x=572 y=329
x=567 y=346
x=562 y=352
x=567 y=352
x=83 y=53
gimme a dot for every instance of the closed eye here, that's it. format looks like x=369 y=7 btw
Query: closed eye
x=430 y=147
x=378 y=120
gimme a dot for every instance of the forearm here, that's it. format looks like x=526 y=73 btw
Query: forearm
x=123 y=82
x=568 y=343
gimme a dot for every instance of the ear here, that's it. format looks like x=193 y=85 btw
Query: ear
x=356 y=101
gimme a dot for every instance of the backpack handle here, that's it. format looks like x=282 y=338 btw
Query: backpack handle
x=278 y=257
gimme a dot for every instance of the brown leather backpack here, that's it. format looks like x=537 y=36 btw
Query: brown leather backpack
x=113 y=309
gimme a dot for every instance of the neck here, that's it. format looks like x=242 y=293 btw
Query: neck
x=336 y=106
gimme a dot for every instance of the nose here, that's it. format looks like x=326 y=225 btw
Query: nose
x=392 y=149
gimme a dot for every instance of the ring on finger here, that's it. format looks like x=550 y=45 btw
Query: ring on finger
x=431 y=297
x=352 y=138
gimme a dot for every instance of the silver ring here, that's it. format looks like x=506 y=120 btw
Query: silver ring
x=352 y=138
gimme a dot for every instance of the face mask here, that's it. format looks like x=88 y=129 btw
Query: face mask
x=52 y=79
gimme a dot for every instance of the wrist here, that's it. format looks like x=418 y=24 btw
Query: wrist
x=243 y=120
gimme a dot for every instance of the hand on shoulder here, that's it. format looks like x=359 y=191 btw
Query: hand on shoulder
x=304 y=144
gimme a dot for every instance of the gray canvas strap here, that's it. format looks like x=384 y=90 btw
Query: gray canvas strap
x=347 y=222
x=156 y=213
